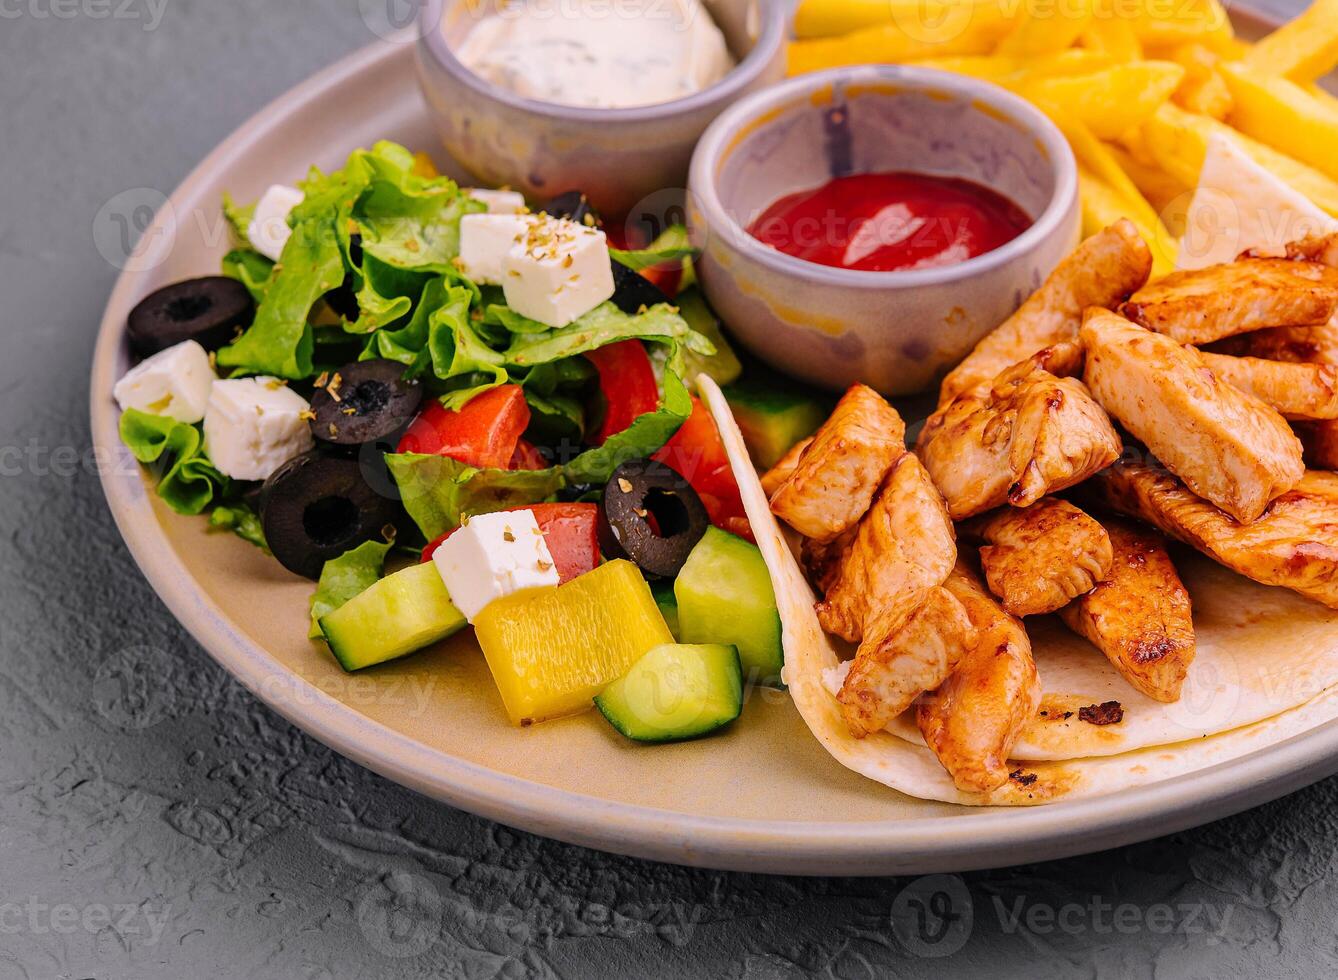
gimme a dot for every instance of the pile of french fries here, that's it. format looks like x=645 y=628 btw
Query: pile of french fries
x=1137 y=86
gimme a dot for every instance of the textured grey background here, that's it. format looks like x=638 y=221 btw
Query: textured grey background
x=155 y=821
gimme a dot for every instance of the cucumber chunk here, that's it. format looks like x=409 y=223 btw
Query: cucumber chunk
x=675 y=692
x=663 y=591
x=401 y=613
x=724 y=596
x=773 y=416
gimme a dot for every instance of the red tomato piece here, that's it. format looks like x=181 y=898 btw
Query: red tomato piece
x=527 y=457
x=484 y=433
x=628 y=382
x=697 y=452
x=571 y=532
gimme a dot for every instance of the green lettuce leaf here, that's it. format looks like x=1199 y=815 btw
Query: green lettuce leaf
x=251 y=269
x=344 y=577
x=242 y=521
x=604 y=325
x=187 y=481
x=239 y=219
x=671 y=246
x=438 y=491
x=644 y=436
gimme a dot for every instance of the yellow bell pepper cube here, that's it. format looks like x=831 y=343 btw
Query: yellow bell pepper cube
x=552 y=650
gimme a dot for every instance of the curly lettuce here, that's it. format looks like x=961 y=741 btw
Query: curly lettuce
x=345 y=577
x=187 y=481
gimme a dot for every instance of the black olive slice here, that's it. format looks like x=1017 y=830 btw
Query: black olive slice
x=574 y=206
x=315 y=508
x=208 y=311
x=632 y=291
x=651 y=516
x=363 y=402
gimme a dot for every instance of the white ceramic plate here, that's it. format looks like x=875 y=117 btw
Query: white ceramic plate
x=764 y=797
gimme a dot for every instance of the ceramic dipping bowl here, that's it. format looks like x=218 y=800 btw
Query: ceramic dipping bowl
x=897 y=331
x=618 y=157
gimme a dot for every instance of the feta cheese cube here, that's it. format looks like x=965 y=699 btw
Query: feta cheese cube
x=557 y=272
x=484 y=241
x=269 y=229
x=174 y=382
x=499 y=202
x=253 y=426
x=493 y=555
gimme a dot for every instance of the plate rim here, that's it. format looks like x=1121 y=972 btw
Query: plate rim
x=985 y=838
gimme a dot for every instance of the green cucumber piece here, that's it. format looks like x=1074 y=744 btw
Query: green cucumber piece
x=724 y=596
x=400 y=614
x=774 y=415
x=723 y=366
x=663 y=591
x=675 y=692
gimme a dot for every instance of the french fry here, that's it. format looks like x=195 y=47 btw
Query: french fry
x=1284 y=115
x=1203 y=88
x=1112 y=101
x=1046 y=29
x=890 y=43
x=1302 y=49
x=1114 y=36
x=1177 y=140
x=1161 y=24
x=1013 y=72
x=1113 y=194
x=1168 y=197
x=831 y=18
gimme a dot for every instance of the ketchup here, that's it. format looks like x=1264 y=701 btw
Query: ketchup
x=887 y=221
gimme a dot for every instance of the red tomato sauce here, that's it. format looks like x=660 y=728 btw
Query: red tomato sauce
x=888 y=221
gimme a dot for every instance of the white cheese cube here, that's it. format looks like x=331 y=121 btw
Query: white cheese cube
x=253 y=426
x=485 y=239
x=269 y=229
x=1240 y=205
x=174 y=382
x=499 y=202
x=494 y=555
x=559 y=271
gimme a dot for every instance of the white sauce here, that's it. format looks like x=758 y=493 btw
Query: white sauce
x=599 y=53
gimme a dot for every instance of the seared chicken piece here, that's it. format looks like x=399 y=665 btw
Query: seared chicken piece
x=975 y=718
x=1294 y=544
x=821 y=560
x=785 y=467
x=1027 y=435
x=1199 y=306
x=835 y=478
x=1297 y=391
x=1101 y=271
x=1139 y=617
x=904 y=546
x=1037 y=558
x=1228 y=447
x=1320 y=440
x=899 y=661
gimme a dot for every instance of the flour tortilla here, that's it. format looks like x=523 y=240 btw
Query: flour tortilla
x=1272 y=664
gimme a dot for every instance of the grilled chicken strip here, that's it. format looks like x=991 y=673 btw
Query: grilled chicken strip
x=821 y=560
x=901 y=659
x=1228 y=447
x=1038 y=558
x=904 y=546
x=977 y=714
x=1297 y=391
x=1027 y=435
x=785 y=467
x=1202 y=305
x=835 y=478
x=1294 y=544
x=1139 y=617
x=1101 y=271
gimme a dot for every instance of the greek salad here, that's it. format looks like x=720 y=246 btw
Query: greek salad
x=450 y=409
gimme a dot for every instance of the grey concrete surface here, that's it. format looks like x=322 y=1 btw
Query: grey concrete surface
x=189 y=832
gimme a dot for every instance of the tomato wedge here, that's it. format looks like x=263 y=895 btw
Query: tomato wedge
x=571 y=532
x=484 y=433
x=627 y=381
x=697 y=452
x=527 y=457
